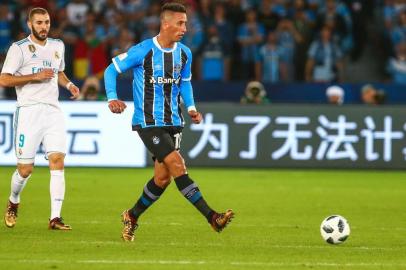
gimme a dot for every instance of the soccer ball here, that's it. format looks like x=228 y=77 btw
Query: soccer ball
x=335 y=229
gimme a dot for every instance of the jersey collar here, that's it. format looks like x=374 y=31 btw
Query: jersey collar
x=155 y=40
x=41 y=46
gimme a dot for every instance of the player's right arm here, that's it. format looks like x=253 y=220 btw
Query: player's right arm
x=110 y=78
x=120 y=64
x=13 y=63
x=9 y=80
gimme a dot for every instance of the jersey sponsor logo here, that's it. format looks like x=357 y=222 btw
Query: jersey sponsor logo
x=162 y=80
x=31 y=48
x=39 y=69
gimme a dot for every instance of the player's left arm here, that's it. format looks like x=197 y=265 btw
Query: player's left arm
x=186 y=90
x=70 y=86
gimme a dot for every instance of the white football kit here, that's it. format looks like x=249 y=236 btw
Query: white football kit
x=38 y=117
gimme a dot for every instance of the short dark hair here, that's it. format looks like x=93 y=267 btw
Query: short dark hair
x=174 y=7
x=37 y=10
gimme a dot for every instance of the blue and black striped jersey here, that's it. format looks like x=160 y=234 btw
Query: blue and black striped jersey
x=161 y=77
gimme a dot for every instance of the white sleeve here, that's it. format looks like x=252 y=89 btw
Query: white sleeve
x=14 y=60
x=62 y=65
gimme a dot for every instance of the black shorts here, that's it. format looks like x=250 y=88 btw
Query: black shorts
x=161 y=141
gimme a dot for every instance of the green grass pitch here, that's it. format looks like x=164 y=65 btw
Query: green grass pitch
x=278 y=214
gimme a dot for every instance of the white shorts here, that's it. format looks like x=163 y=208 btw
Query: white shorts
x=36 y=124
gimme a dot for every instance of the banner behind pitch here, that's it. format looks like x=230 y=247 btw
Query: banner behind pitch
x=297 y=136
x=96 y=137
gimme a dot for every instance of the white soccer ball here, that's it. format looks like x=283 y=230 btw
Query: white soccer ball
x=335 y=229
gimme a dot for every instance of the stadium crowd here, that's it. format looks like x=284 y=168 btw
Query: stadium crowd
x=267 y=40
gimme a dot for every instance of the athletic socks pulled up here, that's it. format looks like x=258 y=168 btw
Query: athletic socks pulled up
x=150 y=194
x=191 y=192
x=57 y=192
x=17 y=185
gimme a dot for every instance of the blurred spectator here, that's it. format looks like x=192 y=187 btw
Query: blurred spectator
x=104 y=21
x=250 y=36
x=90 y=52
x=5 y=28
x=151 y=27
x=371 y=96
x=267 y=17
x=205 y=13
x=337 y=24
x=214 y=60
x=360 y=12
x=194 y=36
x=324 y=63
x=151 y=22
x=76 y=11
x=380 y=97
x=91 y=90
x=126 y=39
x=288 y=37
x=398 y=34
x=254 y=94
x=38 y=3
x=313 y=9
x=235 y=12
x=272 y=65
x=368 y=93
x=389 y=14
x=335 y=95
x=6 y=92
x=303 y=22
x=69 y=34
x=397 y=65
x=224 y=27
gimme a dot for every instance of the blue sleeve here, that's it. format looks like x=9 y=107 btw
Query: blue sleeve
x=130 y=59
x=186 y=72
x=110 y=76
x=186 y=91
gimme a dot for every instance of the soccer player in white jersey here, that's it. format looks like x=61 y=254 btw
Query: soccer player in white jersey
x=35 y=67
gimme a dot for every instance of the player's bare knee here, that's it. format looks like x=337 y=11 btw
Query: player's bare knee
x=56 y=161
x=163 y=182
x=175 y=164
x=177 y=169
x=25 y=170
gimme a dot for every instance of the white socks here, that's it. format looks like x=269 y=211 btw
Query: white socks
x=57 y=190
x=17 y=185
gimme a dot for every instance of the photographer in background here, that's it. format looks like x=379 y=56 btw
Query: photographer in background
x=254 y=94
x=335 y=95
x=380 y=97
x=372 y=96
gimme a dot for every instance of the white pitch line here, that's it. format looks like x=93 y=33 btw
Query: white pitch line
x=212 y=244
x=184 y=244
x=232 y=263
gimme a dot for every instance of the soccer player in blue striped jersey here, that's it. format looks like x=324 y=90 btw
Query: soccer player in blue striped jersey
x=162 y=75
